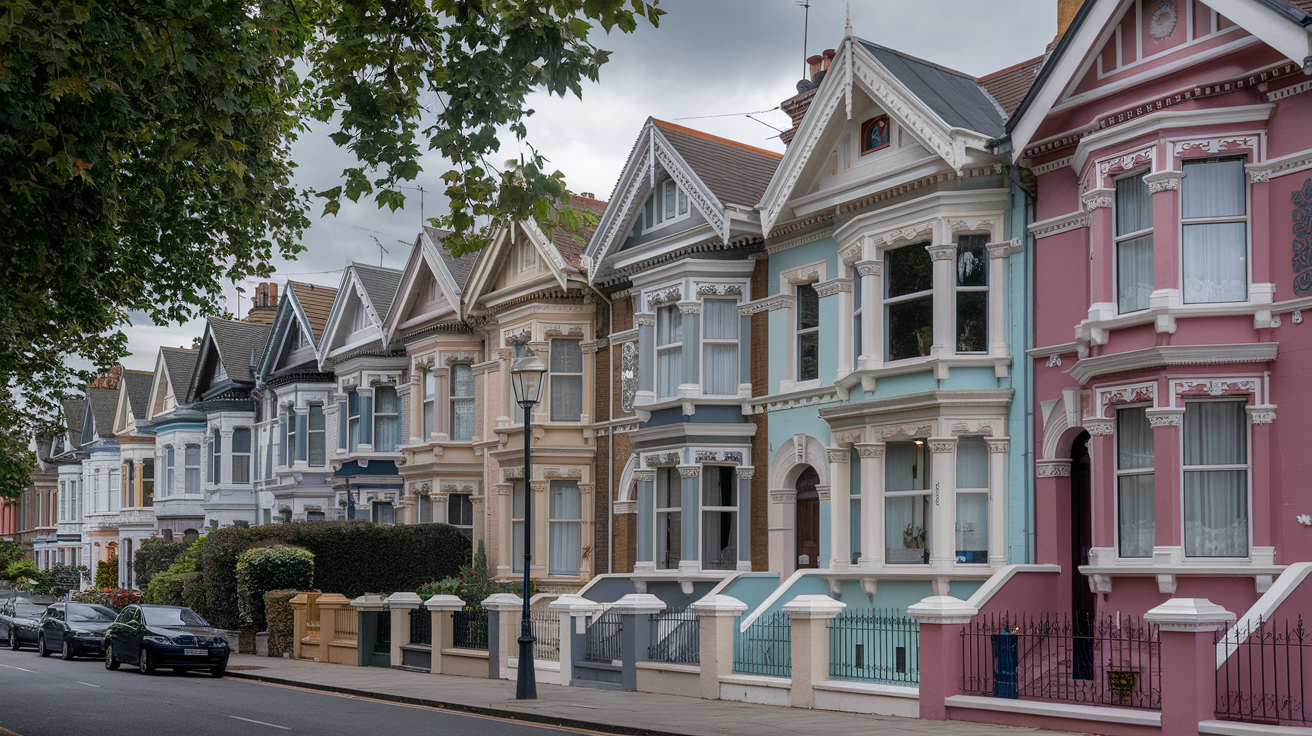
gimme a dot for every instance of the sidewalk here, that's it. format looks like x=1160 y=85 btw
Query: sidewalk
x=598 y=710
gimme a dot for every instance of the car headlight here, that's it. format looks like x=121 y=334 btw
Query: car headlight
x=160 y=639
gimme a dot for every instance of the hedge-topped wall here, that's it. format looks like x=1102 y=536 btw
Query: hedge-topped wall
x=350 y=558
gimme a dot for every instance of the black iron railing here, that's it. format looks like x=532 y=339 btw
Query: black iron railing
x=765 y=647
x=675 y=637
x=875 y=644
x=1265 y=676
x=604 y=641
x=469 y=628
x=421 y=626
x=1108 y=661
x=383 y=636
x=546 y=629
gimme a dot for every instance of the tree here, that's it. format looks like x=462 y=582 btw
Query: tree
x=145 y=150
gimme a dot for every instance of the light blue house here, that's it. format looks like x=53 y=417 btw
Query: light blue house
x=897 y=417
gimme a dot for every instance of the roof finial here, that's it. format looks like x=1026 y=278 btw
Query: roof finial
x=847 y=30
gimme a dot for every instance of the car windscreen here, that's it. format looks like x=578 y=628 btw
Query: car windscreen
x=173 y=617
x=82 y=613
x=28 y=610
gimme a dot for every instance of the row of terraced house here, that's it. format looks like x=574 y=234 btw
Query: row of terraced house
x=1011 y=348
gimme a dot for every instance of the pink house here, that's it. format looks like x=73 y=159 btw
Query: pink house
x=1172 y=150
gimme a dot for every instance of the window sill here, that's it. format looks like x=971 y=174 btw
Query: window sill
x=1165 y=306
x=942 y=367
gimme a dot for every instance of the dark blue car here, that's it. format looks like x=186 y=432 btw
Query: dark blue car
x=74 y=630
x=165 y=636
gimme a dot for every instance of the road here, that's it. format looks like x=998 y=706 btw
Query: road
x=50 y=697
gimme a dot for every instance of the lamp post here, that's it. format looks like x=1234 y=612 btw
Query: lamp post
x=526 y=379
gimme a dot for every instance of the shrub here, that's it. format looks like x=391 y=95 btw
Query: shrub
x=263 y=569
x=58 y=579
x=195 y=594
x=351 y=558
x=280 y=616
x=9 y=552
x=165 y=589
x=20 y=572
x=472 y=586
x=115 y=598
x=107 y=573
x=153 y=557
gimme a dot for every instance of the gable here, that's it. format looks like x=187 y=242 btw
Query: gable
x=356 y=319
x=162 y=398
x=519 y=245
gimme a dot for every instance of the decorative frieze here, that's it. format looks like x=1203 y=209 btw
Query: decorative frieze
x=1051 y=166
x=1098 y=426
x=1163 y=181
x=810 y=237
x=1126 y=162
x=628 y=375
x=540 y=486
x=1215 y=387
x=690 y=307
x=1052 y=468
x=940 y=445
x=464 y=358
x=719 y=289
x=1164 y=417
x=664 y=297
x=644 y=320
x=557 y=473
x=905 y=431
x=942 y=252
x=783 y=496
x=838 y=455
x=690 y=471
x=870 y=268
x=998 y=445
x=1060 y=224
x=868 y=450
x=745 y=473
x=512 y=473
x=662 y=459
x=644 y=476
x=1133 y=394
x=833 y=286
x=558 y=330
x=971 y=226
x=1261 y=413
x=1222 y=144
x=718 y=456
x=768 y=304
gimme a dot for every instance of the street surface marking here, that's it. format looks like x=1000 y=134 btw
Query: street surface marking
x=86 y=683
x=7 y=731
x=10 y=666
x=262 y=723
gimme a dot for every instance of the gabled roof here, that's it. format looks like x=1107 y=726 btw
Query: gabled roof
x=237 y=343
x=74 y=412
x=99 y=421
x=180 y=364
x=430 y=259
x=1284 y=26
x=316 y=303
x=571 y=243
x=1008 y=86
x=459 y=268
x=381 y=285
x=736 y=173
x=956 y=98
x=136 y=389
x=375 y=288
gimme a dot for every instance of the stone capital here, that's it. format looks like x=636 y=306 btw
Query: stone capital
x=942 y=252
x=444 y=603
x=839 y=455
x=942 y=444
x=943 y=610
x=718 y=606
x=1169 y=417
x=813 y=606
x=690 y=471
x=1099 y=426
x=503 y=602
x=866 y=450
x=1189 y=615
x=1097 y=199
x=638 y=603
x=404 y=599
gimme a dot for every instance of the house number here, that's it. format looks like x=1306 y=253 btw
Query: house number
x=936 y=494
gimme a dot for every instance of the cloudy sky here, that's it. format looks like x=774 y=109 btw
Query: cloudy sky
x=709 y=61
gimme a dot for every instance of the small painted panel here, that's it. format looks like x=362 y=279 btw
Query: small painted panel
x=1303 y=239
x=875 y=134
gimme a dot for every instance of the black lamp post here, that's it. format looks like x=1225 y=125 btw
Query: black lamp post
x=526 y=378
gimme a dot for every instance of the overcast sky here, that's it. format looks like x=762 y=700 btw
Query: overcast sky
x=709 y=61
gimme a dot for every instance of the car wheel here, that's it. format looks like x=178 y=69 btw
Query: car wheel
x=218 y=671
x=13 y=639
x=66 y=652
x=110 y=662
x=41 y=646
x=145 y=662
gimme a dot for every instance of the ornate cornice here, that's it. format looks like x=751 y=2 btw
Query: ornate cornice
x=833 y=286
x=1163 y=181
x=768 y=304
x=1051 y=166
x=1097 y=199
x=942 y=252
x=810 y=237
x=1061 y=224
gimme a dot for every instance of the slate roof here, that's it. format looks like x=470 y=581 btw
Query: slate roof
x=1295 y=10
x=137 y=386
x=571 y=243
x=181 y=363
x=74 y=412
x=380 y=284
x=103 y=402
x=957 y=98
x=316 y=302
x=736 y=173
x=236 y=341
x=1008 y=86
x=461 y=267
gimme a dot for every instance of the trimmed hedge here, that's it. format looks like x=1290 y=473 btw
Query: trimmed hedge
x=262 y=569
x=107 y=573
x=153 y=557
x=282 y=628
x=351 y=558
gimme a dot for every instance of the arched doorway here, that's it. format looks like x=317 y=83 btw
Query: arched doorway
x=808 y=519
x=1083 y=601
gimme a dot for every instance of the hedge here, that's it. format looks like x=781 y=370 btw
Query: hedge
x=107 y=573
x=153 y=557
x=262 y=569
x=282 y=629
x=351 y=558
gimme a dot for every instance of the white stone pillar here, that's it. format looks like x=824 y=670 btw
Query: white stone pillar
x=504 y=529
x=999 y=262
x=716 y=615
x=943 y=507
x=442 y=606
x=810 y=616
x=944 y=298
x=840 y=508
x=872 y=315
x=998 y=447
x=872 y=503
x=541 y=526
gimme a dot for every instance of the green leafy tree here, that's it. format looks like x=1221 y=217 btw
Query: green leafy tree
x=145 y=151
x=9 y=552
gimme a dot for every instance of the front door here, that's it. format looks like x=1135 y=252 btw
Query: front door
x=1083 y=601
x=808 y=519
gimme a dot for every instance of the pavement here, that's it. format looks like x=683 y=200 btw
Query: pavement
x=49 y=697
x=606 y=711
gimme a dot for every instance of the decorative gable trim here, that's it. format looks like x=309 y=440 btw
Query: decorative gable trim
x=423 y=256
x=332 y=332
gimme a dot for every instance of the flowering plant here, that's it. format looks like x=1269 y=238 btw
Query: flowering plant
x=115 y=598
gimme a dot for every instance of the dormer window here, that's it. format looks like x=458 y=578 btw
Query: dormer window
x=298 y=338
x=667 y=203
x=360 y=319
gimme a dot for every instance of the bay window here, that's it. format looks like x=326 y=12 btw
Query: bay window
x=669 y=518
x=908 y=302
x=858 y=305
x=430 y=391
x=669 y=350
x=462 y=402
x=316 y=440
x=1214 y=233
x=972 y=500
x=566 y=380
x=719 y=518
x=460 y=514
x=387 y=429
x=565 y=532
x=169 y=470
x=288 y=436
x=352 y=421
x=808 y=333
x=241 y=455
x=517 y=501
x=191 y=469
x=302 y=436
x=720 y=346
x=1134 y=244
x=1215 y=479
x=148 y=482
x=216 y=452
x=1135 y=504
x=907 y=509
x=383 y=512
x=972 y=294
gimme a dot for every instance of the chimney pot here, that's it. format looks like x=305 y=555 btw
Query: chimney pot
x=829 y=58
x=816 y=62
x=271 y=295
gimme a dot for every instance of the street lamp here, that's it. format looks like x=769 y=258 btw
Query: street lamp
x=526 y=379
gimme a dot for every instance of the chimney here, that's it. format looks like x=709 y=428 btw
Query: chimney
x=1066 y=10
x=817 y=65
x=259 y=295
x=271 y=295
x=829 y=58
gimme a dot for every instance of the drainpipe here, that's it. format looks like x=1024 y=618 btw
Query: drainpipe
x=610 y=435
x=1028 y=367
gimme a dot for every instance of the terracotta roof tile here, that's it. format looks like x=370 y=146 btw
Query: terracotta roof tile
x=1008 y=86
x=571 y=244
x=316 y=301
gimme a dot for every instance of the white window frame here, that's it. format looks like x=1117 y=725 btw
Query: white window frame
x=887 y=301
x=216 y=457
x=664 y=312
x=553 y=375
x=235 y=456
x=552 y=522
x=1248 y=232
x=359 y=318
x=290 y=419
x=353 y=419
x=676 y=481
x=708 y=341
x=395 y=416
x=460 y=400
x=659 y=218
x=858 y=316
x=985 y=491
x=517 y=524
x=170 y=470
x=958 y=290
x=311 y=433
x=1120 y=473
x=200 y=453
x=703 y=509
x=427 y=422
x=1246 y=467
x=1117 y=240
x=799 y=332
x=925 y=463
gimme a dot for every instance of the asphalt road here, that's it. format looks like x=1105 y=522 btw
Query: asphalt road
x=50 y=697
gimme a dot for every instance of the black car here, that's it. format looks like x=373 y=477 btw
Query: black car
x=20 y=620
x=165 y=636
x=74 y=629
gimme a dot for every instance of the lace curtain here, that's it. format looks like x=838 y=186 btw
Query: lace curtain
x=1136 y=525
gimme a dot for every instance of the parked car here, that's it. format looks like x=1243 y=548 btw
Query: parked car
x=20 y=620
x=74 y=630
x=165 y=636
